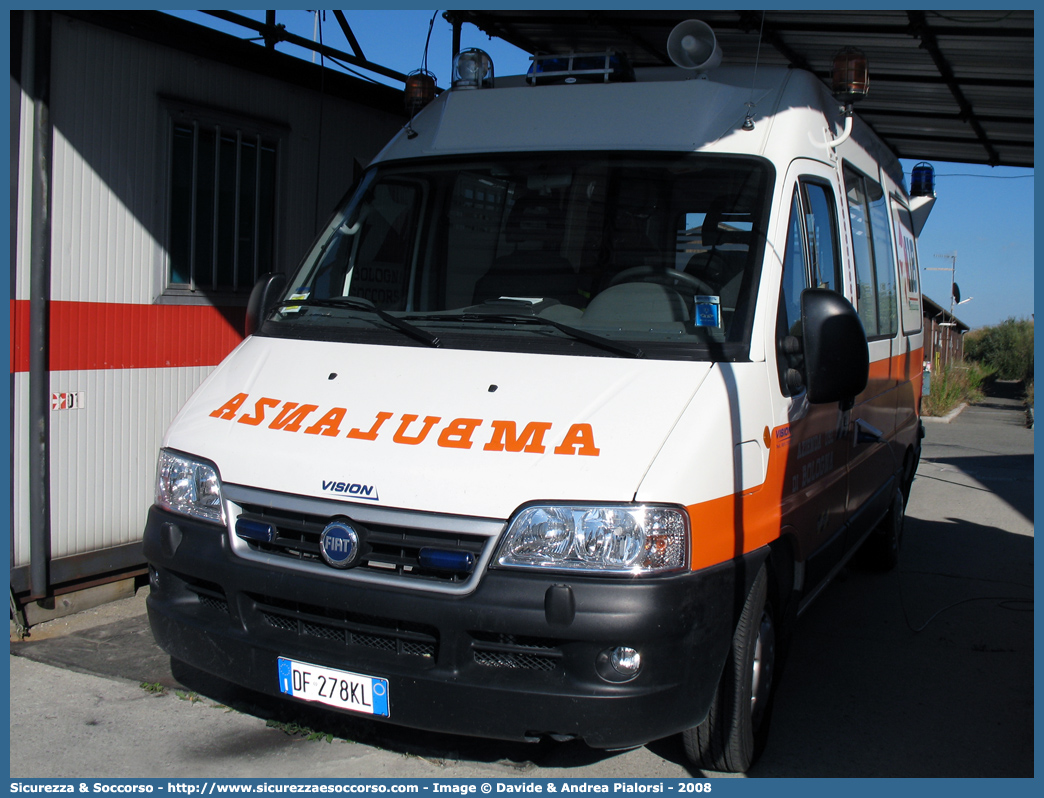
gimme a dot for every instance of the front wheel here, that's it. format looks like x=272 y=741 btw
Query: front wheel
x=733 y=734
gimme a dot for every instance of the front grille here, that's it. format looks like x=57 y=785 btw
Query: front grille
x=281 y=622
x=492 y=650
x=386 y=549
x=210 y=595
x=351 y=629
x=213 y=603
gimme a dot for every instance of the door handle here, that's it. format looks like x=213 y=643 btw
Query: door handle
x=867 y=433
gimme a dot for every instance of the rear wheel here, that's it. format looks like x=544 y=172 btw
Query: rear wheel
x=732 y=736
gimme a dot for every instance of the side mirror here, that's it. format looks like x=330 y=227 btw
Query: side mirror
x=263 y=297
x=837 y=359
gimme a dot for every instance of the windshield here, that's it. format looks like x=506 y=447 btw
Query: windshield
x=658 y=252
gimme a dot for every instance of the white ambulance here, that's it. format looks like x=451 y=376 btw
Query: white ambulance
x=592 y=384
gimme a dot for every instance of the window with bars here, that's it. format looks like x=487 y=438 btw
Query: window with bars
x=223 y=183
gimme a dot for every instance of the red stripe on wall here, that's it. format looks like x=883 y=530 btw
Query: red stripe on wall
x=98 y=335
x=19 y=336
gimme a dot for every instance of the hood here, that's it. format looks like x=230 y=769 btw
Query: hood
x=447 y=431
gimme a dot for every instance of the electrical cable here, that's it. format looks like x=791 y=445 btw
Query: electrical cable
x=1004 y=600
x=990 y=177
x=899 y=582
x=972 y=20
x=427 y=41
x=353 y=72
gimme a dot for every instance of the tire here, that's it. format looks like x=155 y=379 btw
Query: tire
x=913 y=458
x=880 y=551
x=733 y=734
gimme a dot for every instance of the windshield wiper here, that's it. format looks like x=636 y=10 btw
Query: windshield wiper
x=617 y=347
x=365 y=305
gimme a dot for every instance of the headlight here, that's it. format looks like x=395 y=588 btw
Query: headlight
x=632 y=539
x=192 y=487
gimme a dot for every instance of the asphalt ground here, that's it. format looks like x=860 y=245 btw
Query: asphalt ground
x=926 y=671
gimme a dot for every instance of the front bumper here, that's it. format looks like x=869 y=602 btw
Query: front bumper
x=521 y=657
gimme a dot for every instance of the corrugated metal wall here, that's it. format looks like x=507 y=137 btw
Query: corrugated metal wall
x=102 y=456
x=123 y=360
x=19 y=468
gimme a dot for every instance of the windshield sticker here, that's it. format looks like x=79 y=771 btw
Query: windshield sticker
x=708 y=311
x=410 y=429
x=299 y=295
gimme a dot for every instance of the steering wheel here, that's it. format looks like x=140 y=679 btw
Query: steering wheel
x=672 y=278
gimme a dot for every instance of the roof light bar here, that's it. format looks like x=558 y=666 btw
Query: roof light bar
x=419 y=90
x=472 y=69
x=607 y=67
x=851 y=82
x=922 y=180
x=851 y=76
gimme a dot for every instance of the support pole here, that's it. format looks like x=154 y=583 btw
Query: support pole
x=38 y=40
x=270 y=21
x=457 y=25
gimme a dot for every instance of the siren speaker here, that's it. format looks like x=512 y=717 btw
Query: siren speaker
x=693 y=45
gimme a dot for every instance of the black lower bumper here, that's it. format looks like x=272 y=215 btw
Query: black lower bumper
x=505 y=661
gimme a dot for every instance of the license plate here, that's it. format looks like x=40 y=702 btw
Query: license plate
x=335 y=688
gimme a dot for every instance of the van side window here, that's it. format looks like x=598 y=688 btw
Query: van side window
x=876 y=297
x=811 y=259
x=788 y=317
x=884 y=263
x=821 y=227
x=909 y=285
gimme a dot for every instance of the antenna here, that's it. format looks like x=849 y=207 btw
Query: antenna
x=955 y=292
x=748 y=120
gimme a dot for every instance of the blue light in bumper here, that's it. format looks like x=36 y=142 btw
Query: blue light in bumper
x=441 y=560
x=255 y=530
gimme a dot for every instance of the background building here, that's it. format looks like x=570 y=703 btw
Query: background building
x=943 y=334
x=157 y=168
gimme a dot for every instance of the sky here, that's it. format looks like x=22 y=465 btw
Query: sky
x=983 y=215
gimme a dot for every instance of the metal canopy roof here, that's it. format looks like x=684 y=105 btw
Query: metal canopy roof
x=947 y=86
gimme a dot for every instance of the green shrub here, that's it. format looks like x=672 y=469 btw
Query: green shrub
x=1007 y=347
x=953 y=384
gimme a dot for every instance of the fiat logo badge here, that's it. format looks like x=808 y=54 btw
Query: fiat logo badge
x=339 y=544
